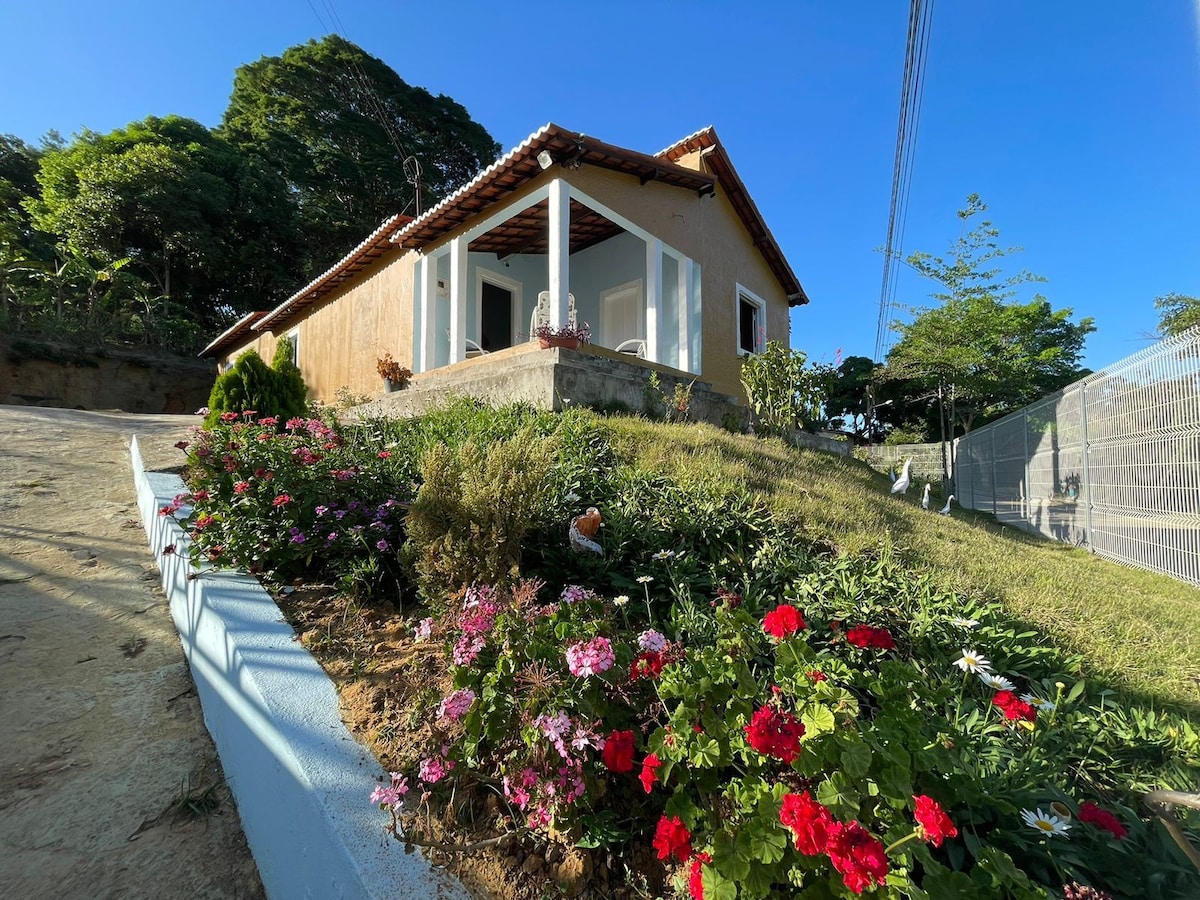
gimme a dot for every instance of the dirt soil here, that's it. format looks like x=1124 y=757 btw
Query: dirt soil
x=109 y=784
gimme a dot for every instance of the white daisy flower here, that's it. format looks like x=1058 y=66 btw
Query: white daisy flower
x=664 y=554
x=972 y=661
x=573 y=497
x=996 y=682
x=1040 y=703
x=960 y=622
x=620 y=599
x=1047 y=823
x=645 y=579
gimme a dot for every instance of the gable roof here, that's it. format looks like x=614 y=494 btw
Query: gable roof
x=509 y=173
x=713 y=152
x=233 y=334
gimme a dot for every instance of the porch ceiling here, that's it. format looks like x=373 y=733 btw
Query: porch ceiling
x=528 y=231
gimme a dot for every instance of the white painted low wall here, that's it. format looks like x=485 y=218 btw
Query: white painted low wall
x=300 y=779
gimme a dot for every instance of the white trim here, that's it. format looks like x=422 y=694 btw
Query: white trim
x=500 y=281
x=558 y=256
x=293 y=337
x=458 y=299
x=654 y=255
x=686 y=325
x=760 y=338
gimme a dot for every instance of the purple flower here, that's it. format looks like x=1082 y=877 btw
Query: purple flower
x=652 y=640
x=381 y=545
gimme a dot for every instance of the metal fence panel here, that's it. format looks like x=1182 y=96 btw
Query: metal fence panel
x=1111 y=462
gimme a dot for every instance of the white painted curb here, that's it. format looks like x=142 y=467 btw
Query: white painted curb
x=300 y=779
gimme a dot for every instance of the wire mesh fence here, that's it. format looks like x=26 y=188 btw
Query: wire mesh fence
x=1110 y=463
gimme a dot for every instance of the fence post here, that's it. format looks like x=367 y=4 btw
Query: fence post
x=1027 y=501
x=992 y=431
x=1087 y=480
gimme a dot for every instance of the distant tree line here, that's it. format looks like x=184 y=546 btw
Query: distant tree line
x=163 y=232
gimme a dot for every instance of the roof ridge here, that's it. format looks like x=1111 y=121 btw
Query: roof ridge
x=690 y=137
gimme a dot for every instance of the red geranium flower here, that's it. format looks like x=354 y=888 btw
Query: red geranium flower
x=933 y=823
x=618 y=751
x=858 y=855
x=241 y=487
x=866 y=636
x=882 y=639
x=650 y=771
x=783 y=621
x=859 y=636
x=808 y=820
x=646 y=665
x=775 y=733
x=817 y=675
x=1014 y=708
x=696 y=878
x=671 y=837
x=281 y=500
x=229 y=417
x=1092 y=814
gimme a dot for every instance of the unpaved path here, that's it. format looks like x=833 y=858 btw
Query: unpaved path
x=101 y=733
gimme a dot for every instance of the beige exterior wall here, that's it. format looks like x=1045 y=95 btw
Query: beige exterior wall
x=342 y=336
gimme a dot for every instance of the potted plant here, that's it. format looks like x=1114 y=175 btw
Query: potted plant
x=394 y=375
x=569 y=336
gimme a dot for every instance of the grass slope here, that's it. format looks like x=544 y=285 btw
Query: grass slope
x=1136 y=630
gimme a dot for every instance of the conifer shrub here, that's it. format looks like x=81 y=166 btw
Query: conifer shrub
x=253 y=385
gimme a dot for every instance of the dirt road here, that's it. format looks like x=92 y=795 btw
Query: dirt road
x=109 y=784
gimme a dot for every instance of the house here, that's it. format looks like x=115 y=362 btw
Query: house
x=666 y=257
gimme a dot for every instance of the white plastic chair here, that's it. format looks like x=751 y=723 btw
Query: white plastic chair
x=633 y=346
x=541 y=312
x=472 y=347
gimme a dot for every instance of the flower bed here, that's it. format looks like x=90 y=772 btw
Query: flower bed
x=709 y=706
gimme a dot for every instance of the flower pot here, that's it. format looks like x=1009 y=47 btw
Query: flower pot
x=393 y=386
x=570 y=343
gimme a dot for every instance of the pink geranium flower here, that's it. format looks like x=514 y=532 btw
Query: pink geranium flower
x=590 y=657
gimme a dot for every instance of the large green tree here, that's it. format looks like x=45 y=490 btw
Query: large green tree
x=337 y=125
x=210 y=228
x=981 y=352
x=1176 y=313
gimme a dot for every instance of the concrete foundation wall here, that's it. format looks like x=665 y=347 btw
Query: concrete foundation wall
x=554 y=379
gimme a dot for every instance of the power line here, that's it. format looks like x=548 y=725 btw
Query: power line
x=920 y=18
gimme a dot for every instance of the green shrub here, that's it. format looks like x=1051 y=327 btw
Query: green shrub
x=252 y=385
x=476 y=505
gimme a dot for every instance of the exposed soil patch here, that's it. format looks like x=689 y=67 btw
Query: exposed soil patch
x=385 y=681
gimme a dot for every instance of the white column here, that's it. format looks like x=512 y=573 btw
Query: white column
x=685 y=313
x=458 y=300
x=653 y=298
x=428 y=289
x=560 y=251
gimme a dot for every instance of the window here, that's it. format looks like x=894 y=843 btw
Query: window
x=293 y=338
x=751 y=315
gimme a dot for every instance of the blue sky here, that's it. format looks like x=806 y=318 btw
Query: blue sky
x=1077 y=122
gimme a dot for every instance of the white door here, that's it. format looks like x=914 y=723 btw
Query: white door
x=622 y=314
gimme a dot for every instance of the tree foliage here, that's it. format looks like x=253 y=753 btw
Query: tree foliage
x=982 y=352
x=1176 y=313
x=337 y=125
x=209 y=229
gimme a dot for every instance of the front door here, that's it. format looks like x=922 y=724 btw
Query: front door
x=496 y=311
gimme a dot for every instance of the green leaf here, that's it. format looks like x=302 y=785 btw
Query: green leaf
x=856 y=759
x=716 y=885
x=706 y=752
x=839 y=795
x=817 y=720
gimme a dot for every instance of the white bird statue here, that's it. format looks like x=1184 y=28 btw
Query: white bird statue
x=892 y=474
x=925 y=497
x=945 y=510
x=904 y=480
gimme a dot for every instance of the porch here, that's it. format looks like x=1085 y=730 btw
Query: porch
x=556 y=256
x=553 y=379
